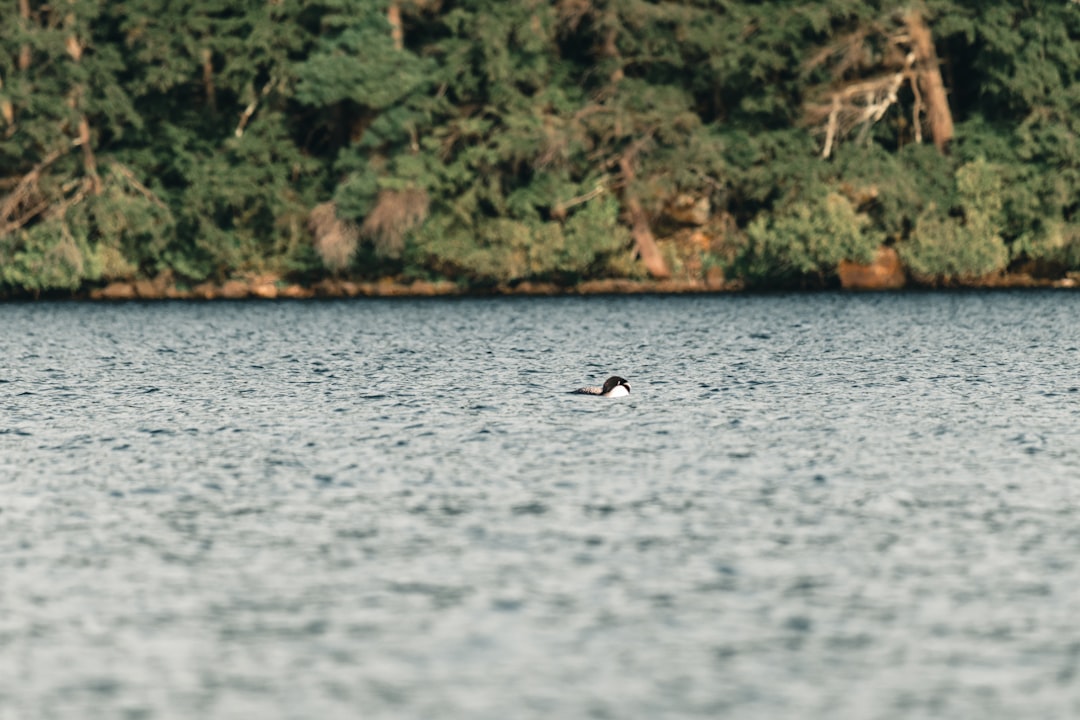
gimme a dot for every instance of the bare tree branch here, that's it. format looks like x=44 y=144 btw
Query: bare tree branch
x=250 y=109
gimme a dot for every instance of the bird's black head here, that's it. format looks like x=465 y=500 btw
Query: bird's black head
x=613 y=382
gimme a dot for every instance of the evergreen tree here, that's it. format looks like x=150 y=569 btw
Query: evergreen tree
x=496 y=142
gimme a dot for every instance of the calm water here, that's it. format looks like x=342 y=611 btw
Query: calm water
x=817 y=506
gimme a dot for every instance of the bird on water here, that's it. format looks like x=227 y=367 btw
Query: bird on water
x=614 y=386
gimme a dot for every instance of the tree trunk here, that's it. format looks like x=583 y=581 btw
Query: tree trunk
x=85 y=141
x=7 y=110
x=208 y=80
x=24 y=51
x=933 y=87
x=89 y=160
x=644 y=241
x=611 y=50
x=397 y=32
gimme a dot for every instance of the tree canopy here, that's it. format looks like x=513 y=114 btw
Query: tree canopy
x=491 y=143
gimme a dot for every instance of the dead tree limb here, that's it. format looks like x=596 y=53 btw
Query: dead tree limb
x=19 y=206
x=86 y=186
x=250 y=109
x=560 y=208
x=125 y=172
x=858 y=105
x=903 y=55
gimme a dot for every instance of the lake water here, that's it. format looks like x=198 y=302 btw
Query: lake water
x=811 y=506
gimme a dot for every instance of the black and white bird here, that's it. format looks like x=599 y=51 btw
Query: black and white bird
x=614 y=386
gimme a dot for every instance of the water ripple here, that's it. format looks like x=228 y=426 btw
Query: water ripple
x=812 y=506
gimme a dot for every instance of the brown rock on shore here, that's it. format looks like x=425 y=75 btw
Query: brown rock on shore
x=146 y=289
x=328 y=288
x=885 y=273
x=388 y=287
x=155 y=288
x=265 y=290
x=423 y=288
x=205 y=291
x=296 y=292
x=234 y=290
x=114 y=291
x=174 y=293
x=538 y=288
x=679 y=286
x=611 y=285
x=714 y=278
x=351 y=289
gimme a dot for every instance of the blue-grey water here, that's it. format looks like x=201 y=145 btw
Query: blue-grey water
x=823 y=506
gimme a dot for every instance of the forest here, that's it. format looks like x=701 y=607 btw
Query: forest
x=156 y=147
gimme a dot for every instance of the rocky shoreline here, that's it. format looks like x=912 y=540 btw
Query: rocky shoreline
x=329 y=289
x=884 y=274
x=271 y=289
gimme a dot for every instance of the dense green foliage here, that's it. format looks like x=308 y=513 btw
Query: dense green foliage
x=493 y=142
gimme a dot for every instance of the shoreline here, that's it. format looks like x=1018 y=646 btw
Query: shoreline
x=274 y=289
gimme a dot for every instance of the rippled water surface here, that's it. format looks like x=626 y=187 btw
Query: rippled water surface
x=819 y=506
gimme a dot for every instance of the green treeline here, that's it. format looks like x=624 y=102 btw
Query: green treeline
x=491 y=142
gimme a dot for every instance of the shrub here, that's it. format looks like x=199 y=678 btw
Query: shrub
x=895 y=187
x=943 y=248
x=112 y=234
x=590 y=243
x=1055 y=243
x=809 y=237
